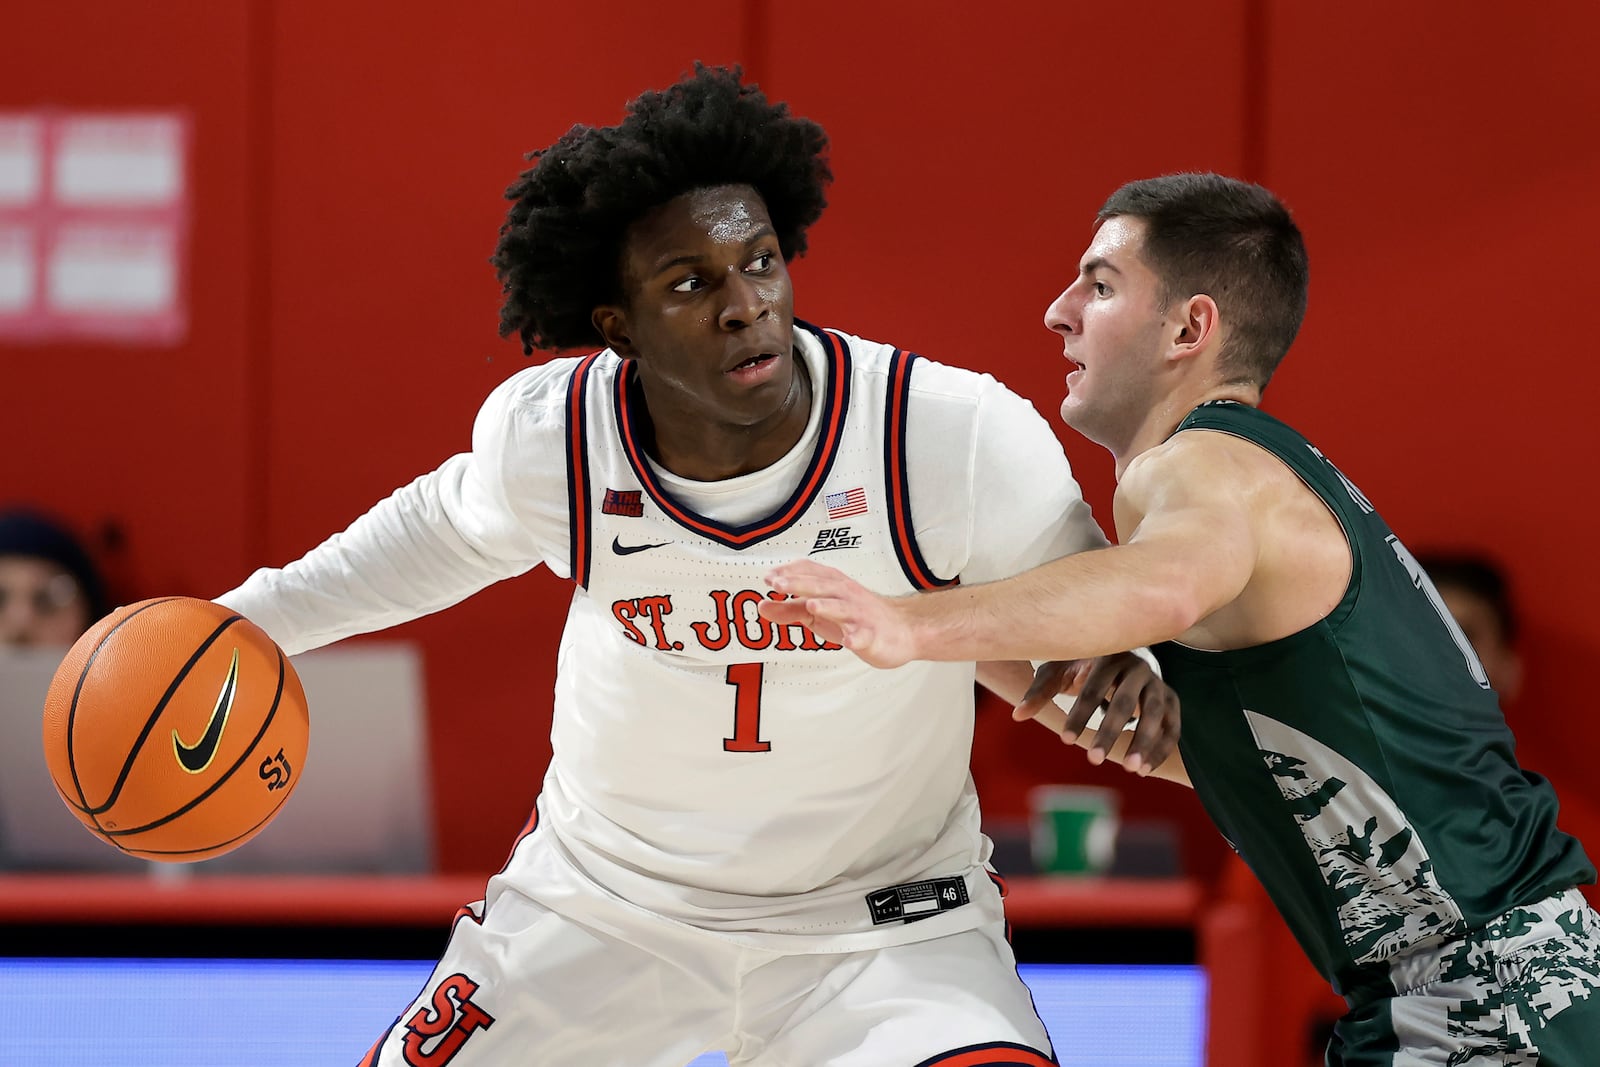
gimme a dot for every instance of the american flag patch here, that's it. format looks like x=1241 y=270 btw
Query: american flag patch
x=849 y=502
x=623 y=502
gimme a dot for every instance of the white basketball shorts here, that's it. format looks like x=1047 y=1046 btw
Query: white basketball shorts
x=522 y=986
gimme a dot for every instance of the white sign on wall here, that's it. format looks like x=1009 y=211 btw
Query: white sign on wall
x=94 y=212
x=21 y=160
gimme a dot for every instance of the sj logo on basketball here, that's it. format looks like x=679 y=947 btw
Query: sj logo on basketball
x=275 y=771
x=451 y=1018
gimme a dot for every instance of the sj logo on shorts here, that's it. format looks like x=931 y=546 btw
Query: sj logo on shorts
x=436 y=1033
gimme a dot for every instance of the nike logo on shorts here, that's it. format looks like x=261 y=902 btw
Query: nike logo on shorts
x=627 y=550
x=197 y=757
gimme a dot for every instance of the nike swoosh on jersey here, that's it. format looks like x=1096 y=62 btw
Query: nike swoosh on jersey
x=627 y=550
x=198 y=756
x=887 y=898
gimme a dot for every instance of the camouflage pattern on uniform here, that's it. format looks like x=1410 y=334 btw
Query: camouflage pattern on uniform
x=1371 y=858
x=1522 y=991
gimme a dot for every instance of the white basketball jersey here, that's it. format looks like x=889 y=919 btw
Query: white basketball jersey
x=709 y=767
x=722 y=770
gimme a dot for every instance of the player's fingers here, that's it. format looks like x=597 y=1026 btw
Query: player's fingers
x=1096 y=682
x=1077 y=671
x=827 y=618
x=1120 y=708
x=859 y=631
x=830 y=609
x=1155 y=737
x=1048 y=680
x=784 y=611
x=804 y=566
x=803 y=577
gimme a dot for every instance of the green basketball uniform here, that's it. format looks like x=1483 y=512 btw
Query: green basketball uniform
x=1364 y=771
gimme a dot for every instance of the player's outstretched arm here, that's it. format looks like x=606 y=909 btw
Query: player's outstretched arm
x=1190 y=550
x=473 y=521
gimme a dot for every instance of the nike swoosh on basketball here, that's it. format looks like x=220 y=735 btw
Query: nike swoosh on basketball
x=197 y=757
x=627 y=550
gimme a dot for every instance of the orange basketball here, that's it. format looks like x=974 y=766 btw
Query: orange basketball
x=175 y=729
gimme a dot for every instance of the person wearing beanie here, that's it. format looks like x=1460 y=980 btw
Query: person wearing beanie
x=50 y=590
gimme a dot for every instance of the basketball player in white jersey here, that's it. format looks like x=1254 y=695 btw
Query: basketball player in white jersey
x=747 y=839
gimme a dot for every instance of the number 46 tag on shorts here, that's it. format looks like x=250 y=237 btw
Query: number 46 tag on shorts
x=911 y=901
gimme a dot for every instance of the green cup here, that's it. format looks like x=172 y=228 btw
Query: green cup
x=1073 y=828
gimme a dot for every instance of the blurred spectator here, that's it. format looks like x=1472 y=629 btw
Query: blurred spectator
x=50 y=589
x=1476 y=592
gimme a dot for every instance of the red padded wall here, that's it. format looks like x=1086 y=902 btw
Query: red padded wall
x=1443 y=167
x=161 y=442
x=348 y=164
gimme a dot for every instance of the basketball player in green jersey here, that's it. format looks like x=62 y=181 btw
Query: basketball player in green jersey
x=1336 y=723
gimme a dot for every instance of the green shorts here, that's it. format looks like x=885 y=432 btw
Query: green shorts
x=1523 y=990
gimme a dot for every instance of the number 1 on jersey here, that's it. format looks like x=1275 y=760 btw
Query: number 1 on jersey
x=746 y=681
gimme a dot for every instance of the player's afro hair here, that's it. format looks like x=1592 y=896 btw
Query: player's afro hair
x=560 y=250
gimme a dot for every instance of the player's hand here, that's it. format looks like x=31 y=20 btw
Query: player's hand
x=1128 y=688
x=839 y=609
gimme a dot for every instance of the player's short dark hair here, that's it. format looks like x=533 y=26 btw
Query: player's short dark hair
x=1233 y=241
x=1477 y=575
x=560 y=250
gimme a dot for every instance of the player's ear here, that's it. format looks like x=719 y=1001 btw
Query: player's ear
x=612 y=323
x=1196 y=326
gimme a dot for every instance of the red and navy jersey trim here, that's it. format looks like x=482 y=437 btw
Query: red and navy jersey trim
x=578 y=489
x=994 y=1054
x=898 y=489
x=835 y=404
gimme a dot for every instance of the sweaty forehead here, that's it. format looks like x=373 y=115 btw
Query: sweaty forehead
x=722 y=214
x=731 y=213
x=1117 y=243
